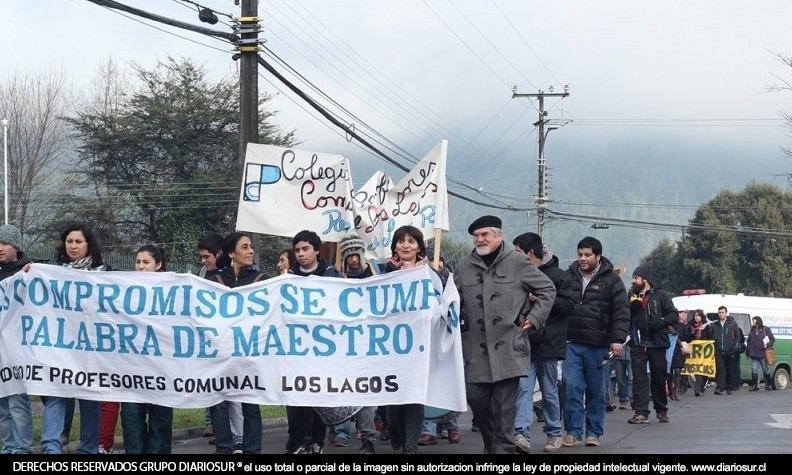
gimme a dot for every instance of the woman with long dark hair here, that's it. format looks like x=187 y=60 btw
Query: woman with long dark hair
x=408 y=250
x=759 y=339
x=79 y=249
x=235 y=268
x=147 y=428
x=698 y=329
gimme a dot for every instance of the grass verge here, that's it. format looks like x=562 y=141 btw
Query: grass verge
x=182 y=419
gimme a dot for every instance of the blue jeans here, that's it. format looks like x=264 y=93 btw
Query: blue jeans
x=432 y=428
x=343 y=430
x=584 y=375
x=16 y=424
x=757 y=364
x=148 y=428
x=251 y=428
x=53 y=417
x=546 y=371
x=623 y=371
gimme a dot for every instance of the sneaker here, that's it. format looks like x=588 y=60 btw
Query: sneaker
x=208 y=431
x=366 y=448
x=662 y=416
x=522 y=444
x=718 y=392
x=339 y=442
x=592 y=441
x=570 y=441
x=610 y=407
x=316 y=449
x=105 y=451
x=454 y=436
x=443 y=434
x=553 y=444
x=427 y=439
x=410 y=450
x=238 y=449
x=638 y=419
x=296 y=450
x=624 y=406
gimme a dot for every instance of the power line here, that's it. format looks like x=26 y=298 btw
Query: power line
x=525 y=42
x=168 y=21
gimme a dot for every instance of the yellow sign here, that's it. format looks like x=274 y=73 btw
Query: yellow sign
x=701 y=360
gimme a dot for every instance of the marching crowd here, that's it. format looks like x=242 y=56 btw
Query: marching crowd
x=521 y=316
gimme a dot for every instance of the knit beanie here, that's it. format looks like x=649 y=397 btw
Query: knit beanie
x=10 y=234
x=352 y=244
x=643 y=272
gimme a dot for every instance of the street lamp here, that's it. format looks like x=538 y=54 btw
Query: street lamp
x=5 y=167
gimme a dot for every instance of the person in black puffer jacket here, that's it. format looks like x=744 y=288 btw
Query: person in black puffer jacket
x=600 y=321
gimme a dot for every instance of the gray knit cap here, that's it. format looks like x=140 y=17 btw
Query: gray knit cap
x=10 y=234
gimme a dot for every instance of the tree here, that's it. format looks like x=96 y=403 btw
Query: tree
x=170 y=151
x=34 y=106
x=84 y=199
x=737 y=243
x=665 y=263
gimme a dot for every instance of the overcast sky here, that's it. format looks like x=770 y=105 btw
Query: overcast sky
x=647 y=79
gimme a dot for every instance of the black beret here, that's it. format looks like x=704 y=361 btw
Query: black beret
x=485 y=222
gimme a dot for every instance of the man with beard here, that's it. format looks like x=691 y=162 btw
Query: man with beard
x=600 y=321
x=495 y=283
x=651 y=313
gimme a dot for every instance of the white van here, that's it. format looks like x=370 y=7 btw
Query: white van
x=775 y=313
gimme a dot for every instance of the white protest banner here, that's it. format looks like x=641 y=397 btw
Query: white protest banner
x=285 y=190
x=419 y=199
x=369 y=208
x=181 y=341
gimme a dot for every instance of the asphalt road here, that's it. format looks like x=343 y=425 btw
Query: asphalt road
x=742 y=423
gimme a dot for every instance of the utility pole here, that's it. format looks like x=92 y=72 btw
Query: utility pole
x=541 y=196
x=248 y=47
x=248 y=28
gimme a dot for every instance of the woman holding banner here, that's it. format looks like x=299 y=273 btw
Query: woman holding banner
x=236 y=269
x=79 y=249
x=148 y=428
x=698 y=329
x=408 y=250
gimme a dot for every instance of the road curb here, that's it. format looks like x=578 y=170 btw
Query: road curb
x=178 y=434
